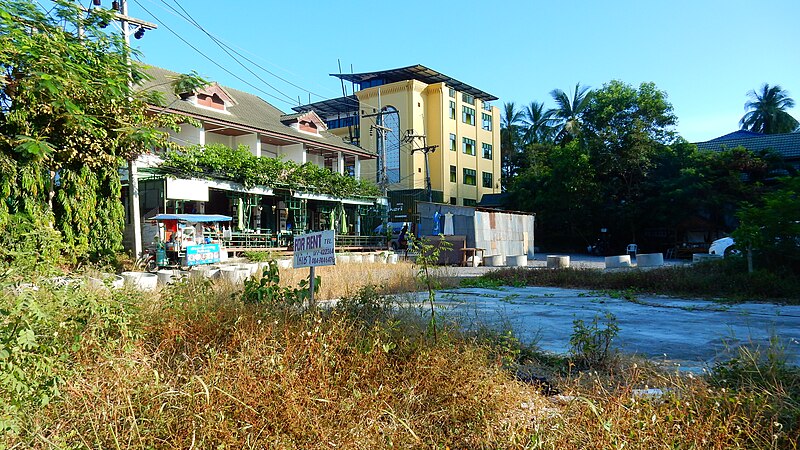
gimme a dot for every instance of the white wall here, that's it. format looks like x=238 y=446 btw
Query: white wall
x=250 y=140
x=214 y=138
x=294 y=152
x=188 y=135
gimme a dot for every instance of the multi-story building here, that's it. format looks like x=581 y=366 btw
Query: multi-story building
x=235 y=118
x=399 y=113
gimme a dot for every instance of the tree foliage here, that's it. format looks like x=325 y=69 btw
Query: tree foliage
x=629 y=172
x=68 y=117
x=766 y=111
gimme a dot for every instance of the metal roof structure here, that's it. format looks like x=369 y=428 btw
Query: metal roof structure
x=417 y=72
x=331 y=107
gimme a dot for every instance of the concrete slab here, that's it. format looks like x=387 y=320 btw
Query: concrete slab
x=686 y=332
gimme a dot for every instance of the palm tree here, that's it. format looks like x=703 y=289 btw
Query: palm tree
x=538 y=123
x=569 y=112
x=766 y=111
x=509 y=140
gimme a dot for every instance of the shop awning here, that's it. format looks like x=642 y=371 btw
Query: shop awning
x=193 y=217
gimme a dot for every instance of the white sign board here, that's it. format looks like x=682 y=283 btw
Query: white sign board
x=314 y=249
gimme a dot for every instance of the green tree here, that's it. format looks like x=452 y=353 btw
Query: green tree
x=625 y=129
x=537 y=123
x=569 y=111
x=766 y=111
x=771 y=226
x=510 y=139
x=68 y=118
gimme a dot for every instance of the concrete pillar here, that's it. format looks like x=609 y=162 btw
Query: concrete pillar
x=357 y=168
x=557 y=262
x=133 y=198
x=340 y=163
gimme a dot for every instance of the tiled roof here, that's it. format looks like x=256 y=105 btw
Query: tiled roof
x=738 y=134
x=250 y=112
x=785 y=144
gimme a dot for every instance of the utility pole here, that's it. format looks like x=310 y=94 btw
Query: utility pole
x=136 y=27
x=410 y=137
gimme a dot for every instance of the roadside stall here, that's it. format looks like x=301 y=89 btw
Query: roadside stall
x=187 y=240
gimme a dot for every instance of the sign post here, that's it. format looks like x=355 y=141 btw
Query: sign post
x=312 y=250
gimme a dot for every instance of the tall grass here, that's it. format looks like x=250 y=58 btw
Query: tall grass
x=192 y=366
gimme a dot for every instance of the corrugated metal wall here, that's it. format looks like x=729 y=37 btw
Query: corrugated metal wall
x=498 y=233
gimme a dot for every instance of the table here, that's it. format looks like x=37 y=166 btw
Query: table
x=469 y=251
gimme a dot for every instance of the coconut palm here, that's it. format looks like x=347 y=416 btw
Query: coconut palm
x=509 y=140
x=537 y=122
x=569 y=112
x=766 y=111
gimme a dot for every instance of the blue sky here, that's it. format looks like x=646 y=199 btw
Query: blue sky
x=705 y=54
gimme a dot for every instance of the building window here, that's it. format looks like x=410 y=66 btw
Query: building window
x=453 y=142
x=466 y=98
x=452 y=109
x=470 y=202
x=452 y=93
x=469 y=146
x=391 y=119
x=469 y=177
x=486 y=106
x=487 y=150
x=487 y=180
x=468 y=115
x=486 y=121
x=453 y=200
x=453 y=174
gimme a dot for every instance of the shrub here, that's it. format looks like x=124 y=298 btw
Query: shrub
x=591 y=343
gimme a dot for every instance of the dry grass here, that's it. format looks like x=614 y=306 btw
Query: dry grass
x=204 y=370
x=346 y=279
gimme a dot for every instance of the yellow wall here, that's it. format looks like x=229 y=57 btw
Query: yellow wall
x=425 y=109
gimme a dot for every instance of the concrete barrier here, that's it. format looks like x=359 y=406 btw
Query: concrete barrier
x=342 y=259
x=143 y=281
x=557 y=262
x=369 y=258
x=615 y=262
x=285 y=263
x=494 y=261
x=649 y=260
x=392 y=258
x=700 y=257
x=356 y=258
x=517 y=261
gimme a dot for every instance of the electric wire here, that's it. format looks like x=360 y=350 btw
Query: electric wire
x=200 y=52
x=228 y=51
x=186 y=16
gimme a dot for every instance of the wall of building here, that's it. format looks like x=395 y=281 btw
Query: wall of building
x=497 y=232
x=188 y=135
x=294 y=152
x=252 y=141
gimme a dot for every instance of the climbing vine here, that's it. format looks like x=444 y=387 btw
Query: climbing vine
x=239 y=165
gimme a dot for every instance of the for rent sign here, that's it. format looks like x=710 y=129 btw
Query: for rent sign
x=314 y=249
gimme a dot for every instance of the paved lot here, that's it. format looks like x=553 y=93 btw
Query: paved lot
x=685 y=332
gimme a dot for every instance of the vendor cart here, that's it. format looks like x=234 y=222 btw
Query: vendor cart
x=187 y=240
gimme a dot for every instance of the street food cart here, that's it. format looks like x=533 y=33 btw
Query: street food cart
x=187 y=240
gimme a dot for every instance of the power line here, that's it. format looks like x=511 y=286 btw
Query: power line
x=186 y=16
x=226 y=50
x=209 y=58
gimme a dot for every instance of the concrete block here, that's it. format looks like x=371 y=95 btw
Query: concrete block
x=650 y=260
x=557 y=262
x=494 y=261
x=615 y=262
x=517 y=261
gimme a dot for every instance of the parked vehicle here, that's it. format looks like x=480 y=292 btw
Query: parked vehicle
x=396 y=229
x=724 y=247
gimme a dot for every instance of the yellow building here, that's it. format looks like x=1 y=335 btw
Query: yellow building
x=400 y=112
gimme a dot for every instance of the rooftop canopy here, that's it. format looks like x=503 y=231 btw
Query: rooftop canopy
x=328 y=108
x=418 y=72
